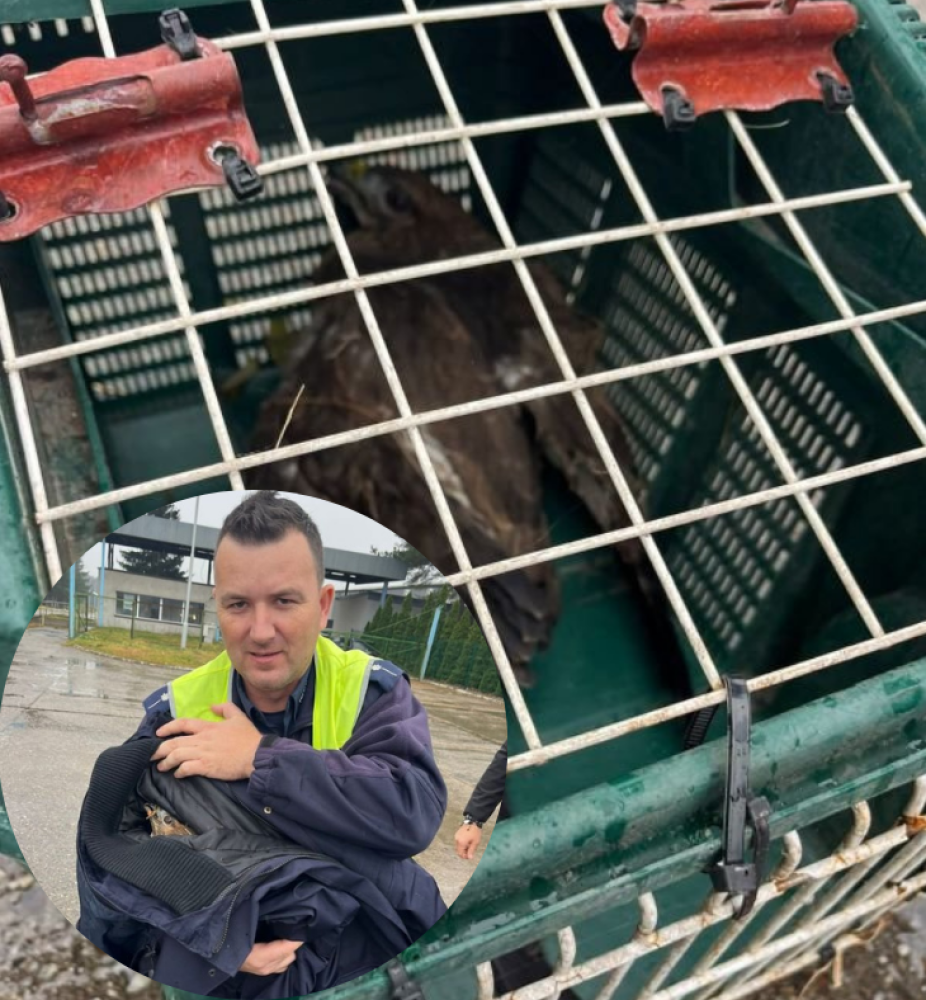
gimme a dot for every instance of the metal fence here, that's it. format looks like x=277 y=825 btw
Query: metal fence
x=139 y=614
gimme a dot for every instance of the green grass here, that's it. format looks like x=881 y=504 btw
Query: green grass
x=147 y=647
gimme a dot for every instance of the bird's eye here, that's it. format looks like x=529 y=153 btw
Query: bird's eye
x=398 y=201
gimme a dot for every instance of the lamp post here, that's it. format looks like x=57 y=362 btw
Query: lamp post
x=189 y=581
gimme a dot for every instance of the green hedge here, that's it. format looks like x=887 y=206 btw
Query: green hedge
x=459 y=655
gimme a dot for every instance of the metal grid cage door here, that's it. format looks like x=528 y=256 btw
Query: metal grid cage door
x=759 y=281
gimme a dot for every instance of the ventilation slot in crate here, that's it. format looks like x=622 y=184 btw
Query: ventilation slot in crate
x=730 y=568
x=110 y=276
x=647 y=318
x=564 y=194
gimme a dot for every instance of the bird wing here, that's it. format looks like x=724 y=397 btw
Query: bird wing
x=503 y=325
x=485 y=462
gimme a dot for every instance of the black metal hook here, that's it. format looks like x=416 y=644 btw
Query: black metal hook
x=733 y=874
x=177 y=32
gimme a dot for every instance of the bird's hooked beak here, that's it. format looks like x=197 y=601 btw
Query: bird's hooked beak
x=346 y=183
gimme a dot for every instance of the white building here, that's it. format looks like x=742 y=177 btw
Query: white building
x=155 y=603
x=354 y=609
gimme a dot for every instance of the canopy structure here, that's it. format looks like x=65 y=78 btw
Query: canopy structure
x=160 y=534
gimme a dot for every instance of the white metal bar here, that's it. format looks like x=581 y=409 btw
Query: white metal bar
x=860 y=872
x=780 y=972
x=790 y=859
x=733 y=371
x=845 y=474
x=705 y=513
x=505 y=399
x=887 y=168
x=101 y=23
x=861 y=823
x=566 y=940
x=213 y=406
x=426 y=137
x=485 y=980
x=646 y=928
x=355 y=25
x=678 y=951
x=649 y=913
x=169 y=257
x=826 y=278
x=382 y=352
x=594 y=737
x=601 y=964
x=615 y=473
x=280 y=300
x=30 y=452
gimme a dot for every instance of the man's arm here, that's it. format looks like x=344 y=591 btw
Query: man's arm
x=490 y=788
x=382 y=790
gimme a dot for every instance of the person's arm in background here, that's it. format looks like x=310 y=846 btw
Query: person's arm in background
x=482 y=803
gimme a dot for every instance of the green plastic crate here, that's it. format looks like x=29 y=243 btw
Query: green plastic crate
x=598 y=827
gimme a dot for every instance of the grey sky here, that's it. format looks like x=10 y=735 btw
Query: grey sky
x=340 y=527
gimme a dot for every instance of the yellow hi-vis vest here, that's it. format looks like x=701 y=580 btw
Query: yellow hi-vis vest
x=341 y=680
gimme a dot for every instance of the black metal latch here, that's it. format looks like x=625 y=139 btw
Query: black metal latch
x=177 y=32
x=742 y=810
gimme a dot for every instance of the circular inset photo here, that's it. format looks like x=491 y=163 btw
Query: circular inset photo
x=252 y=745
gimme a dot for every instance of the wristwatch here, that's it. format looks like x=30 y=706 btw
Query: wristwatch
x=471 y=821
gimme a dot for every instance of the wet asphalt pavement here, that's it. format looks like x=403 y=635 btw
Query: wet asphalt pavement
x=63 y=706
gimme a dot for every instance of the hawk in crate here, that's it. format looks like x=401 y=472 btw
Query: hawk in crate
x=467 y=335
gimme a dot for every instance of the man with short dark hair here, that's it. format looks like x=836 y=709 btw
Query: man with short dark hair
x=312 y=747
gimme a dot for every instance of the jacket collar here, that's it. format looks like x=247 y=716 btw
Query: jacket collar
x=298 y=706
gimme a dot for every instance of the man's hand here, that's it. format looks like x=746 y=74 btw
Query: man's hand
x=271 y=958
x=467 y=840
x=223 y=750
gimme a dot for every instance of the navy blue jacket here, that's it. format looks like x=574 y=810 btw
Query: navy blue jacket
x=369 y=807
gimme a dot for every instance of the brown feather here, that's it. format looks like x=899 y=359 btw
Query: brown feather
x=461 y=336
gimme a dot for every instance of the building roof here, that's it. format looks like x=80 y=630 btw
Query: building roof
x=375 y=593
x=111 y=574
x=160 y=534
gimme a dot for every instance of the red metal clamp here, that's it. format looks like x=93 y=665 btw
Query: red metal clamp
x=697 y=56
x=108 y=135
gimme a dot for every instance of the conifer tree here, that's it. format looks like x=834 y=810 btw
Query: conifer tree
x=168 y=566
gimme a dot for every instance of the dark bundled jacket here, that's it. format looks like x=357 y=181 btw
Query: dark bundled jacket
x=315 y=846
